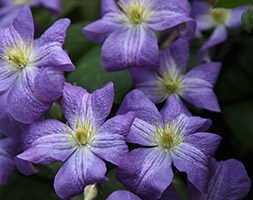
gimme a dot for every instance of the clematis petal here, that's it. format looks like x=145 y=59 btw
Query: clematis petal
x=207 y=142
x=99 y=30
x=170 y=14
x=109 y=6
x=122 y=194
x=7 y=167
x=173 y=108
x=81 y=169
x=51 y=91
x=191 y=160
x=25 y=167
x=130 y=47
x=136 y=101
x=146 y=81
x=218 y=36
x=52 y=5
x=49 y=149
x=41 y=129
x=24 y=24
x=192 y=124
x=170 y=194
x=95 y=107
x=141 y=133
x=109 y=142
x=55 y=34
x=235 y=19
x=200 y=12
x=229 y=180
x=146 y=172
x=25 y=106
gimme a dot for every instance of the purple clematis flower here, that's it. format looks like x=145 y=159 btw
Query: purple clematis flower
x=127 y=30
x=218 y=19
x=228 y=180
x=31 y=71
x=83 y=142
x=9 y=9
x=9 y=148
x=168 y=136
x=195 y=86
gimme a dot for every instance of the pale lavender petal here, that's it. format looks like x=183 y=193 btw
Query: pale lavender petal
x=77 y=103
x=41 y=129
x=206 y=142
x=235 y=18
x=191 y=160
x=24 y=24
x=209 y=72
x=53 y=88
x=24 y=106
x=55 y=34
x=170 y=14
x=136 y=101
x=190 y=125
x=99 y=30
x=110 y=140
x=130 y=47
x=146 y=172
x=49 y=149
x=198 y=89
x=122 y=194
x=81 y=169
x=218 y=36
x=141 y=133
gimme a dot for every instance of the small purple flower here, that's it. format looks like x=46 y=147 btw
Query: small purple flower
x=31 y=71
x=218 y=19
x=167 y=137
x=9 y=148
x=9 y=9
x=228 y=180
x=83 y=142
x=195 y=86
x=127 y=30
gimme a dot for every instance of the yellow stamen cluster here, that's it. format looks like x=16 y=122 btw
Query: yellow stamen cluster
x=84 y=132
x=219 y=15
x=169 y=136
x=171 y=83
x=136 y=12
x=21 y=2
x=17 y=54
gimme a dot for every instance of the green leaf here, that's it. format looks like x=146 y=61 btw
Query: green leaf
x=76 y=43
x=180 y=186
x=239 y=118
x=91 y=75
x=247 y=20
x=30 y=188
x=232 y=3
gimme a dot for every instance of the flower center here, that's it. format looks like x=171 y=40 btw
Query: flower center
x=17 y=55
x=171 y=83
x=84 y=132
x=168 y=137
x=136 y=12
x=219 y=15
x=21 y=2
